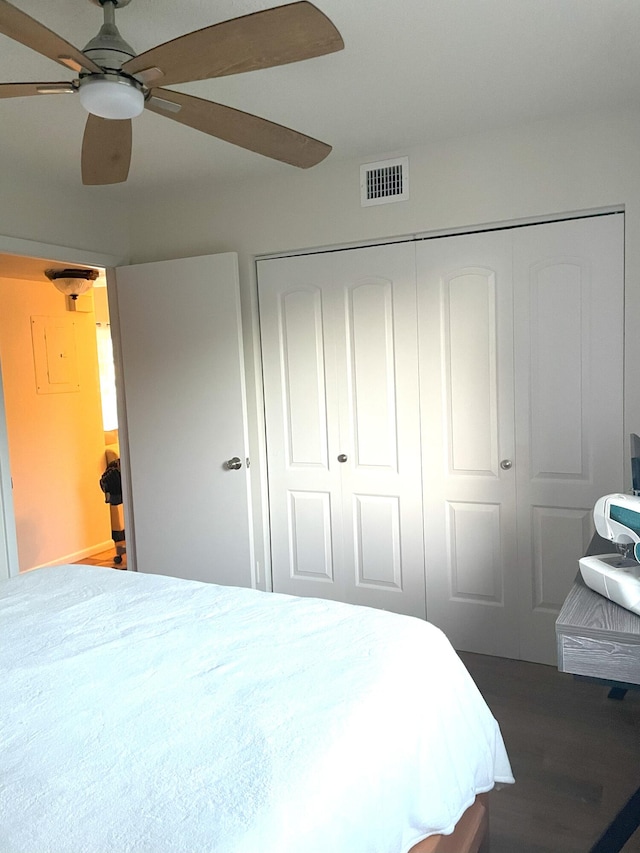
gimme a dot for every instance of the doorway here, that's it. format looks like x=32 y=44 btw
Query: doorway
x=59 y=409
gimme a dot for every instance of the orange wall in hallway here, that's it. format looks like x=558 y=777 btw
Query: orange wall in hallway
x=56 y=440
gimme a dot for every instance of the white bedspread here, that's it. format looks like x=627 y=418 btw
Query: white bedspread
x=143 y=713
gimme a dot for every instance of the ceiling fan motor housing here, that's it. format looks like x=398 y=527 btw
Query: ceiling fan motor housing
x=113 y=94
x=120 y=4
x=108 y=49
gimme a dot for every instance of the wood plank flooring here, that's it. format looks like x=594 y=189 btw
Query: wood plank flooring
x=104 y=558
x=575 y=755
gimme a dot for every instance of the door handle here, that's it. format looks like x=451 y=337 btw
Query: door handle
x=234 y=463
x=342 y=457
x=506 y=464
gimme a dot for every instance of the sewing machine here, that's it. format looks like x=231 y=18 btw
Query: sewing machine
x=616 y=575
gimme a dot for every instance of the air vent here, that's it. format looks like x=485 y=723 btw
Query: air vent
x=384 y=182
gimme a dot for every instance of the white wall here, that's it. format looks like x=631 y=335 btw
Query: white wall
x=45 y=211
x=551 y=167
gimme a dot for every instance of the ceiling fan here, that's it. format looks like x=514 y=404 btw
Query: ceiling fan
x=115 y=85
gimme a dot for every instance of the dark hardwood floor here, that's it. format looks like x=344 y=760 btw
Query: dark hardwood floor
x=105 y=558
x=575 y=755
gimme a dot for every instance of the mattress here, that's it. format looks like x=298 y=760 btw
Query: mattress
x=150 y=714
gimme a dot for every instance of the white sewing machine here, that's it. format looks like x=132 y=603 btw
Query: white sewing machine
x=616 y=576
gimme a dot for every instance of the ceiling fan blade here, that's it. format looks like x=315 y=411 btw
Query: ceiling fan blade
x=260 y=40
x=20 y=27
x=243 y=129
x=21 y=90
x=106 y=150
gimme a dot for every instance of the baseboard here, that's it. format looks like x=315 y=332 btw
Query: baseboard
x=79 y=555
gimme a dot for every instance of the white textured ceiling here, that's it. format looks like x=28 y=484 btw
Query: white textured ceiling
x=412 y=71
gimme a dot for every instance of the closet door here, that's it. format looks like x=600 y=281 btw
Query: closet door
x=521 y=342
x=339 y=340
x=302 y=428
x=467 y=402
x=568 y=297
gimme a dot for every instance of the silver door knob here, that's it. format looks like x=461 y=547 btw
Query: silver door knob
x=506 y=464
x=234 y=463
x=342 y=457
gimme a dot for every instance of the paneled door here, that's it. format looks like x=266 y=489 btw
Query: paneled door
x=568 y=299
x=183 y=388
x=339 y=344
x=521 y=344
x=467 y=394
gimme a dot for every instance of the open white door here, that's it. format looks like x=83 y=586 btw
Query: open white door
x=182 y=373
x=8 y=543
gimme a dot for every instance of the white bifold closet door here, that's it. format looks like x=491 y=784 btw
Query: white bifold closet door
x=506 y=401
x=339 y=338
x=569 y=368
x=467 y=392
x=521 y=370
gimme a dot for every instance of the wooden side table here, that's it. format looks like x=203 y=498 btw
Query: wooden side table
x=597 y=638
x=600 y=641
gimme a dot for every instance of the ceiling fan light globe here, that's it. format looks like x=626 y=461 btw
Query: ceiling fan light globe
x=115 y=98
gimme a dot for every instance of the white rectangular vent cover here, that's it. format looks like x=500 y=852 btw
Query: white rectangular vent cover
x=385 y=181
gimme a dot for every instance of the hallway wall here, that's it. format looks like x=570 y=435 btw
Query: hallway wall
x=56 y=440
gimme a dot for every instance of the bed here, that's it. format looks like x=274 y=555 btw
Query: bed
x=146 y=714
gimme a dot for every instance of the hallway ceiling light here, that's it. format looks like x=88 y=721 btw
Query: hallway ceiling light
x=72 y=283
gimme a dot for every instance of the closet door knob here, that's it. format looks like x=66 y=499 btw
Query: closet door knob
x=342 y=457
x=506 y=464
x=234 y=463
